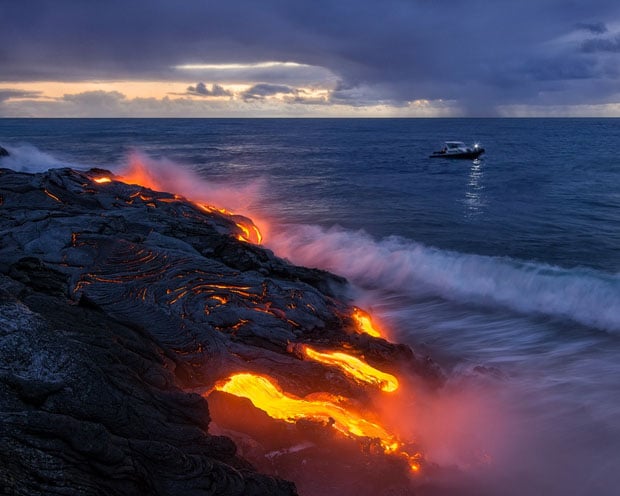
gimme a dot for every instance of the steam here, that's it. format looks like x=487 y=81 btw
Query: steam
x=398 y=265
x=165 y=175
x=158 y=174
x=390 y=265
x=469 y=424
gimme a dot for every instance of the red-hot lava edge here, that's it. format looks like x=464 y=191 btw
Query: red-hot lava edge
x=301 y=380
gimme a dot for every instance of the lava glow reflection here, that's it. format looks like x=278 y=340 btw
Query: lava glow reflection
x=354 y=367
x=325 y=408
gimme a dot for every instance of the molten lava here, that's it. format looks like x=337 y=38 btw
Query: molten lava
x=265 y=395
x=364 y=323
x=354 y=367
x=138 y=173
x=52 y=196
x=251 y=234
x=325 y=408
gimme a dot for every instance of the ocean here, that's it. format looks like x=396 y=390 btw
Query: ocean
x=506 y=271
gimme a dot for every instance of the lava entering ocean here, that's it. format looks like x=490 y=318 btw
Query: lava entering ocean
x=353 y=367
x=364 y=322
x=138 y=172
x=354 y=418
x=324 y=408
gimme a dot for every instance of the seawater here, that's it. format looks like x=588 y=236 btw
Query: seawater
x=507 y=271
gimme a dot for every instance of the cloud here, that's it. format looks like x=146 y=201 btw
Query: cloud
x=263 y=90
x=592 y=27
x=594 y=45
x=201 y=90
x=95 y=98
x=391 y=52
x=299 y=102
x=10 y=94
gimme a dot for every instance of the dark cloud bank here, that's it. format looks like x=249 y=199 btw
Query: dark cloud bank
x=481 y=54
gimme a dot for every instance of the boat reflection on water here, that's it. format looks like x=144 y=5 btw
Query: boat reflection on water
x=474 y=194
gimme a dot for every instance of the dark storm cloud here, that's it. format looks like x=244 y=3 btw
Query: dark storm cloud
x=201 y=90
x=478 y=53
x=263 y=90
x=594 y=45
x=593 y=27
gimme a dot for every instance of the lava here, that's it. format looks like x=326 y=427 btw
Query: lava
x=264 y=394
x=52 y=196
x=323 y=407
x=251 y=234
x=138 y=173
x=364 y=323
x=354 y=367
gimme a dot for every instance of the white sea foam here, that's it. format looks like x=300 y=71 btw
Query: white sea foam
x=28 y=158
x=398 y=265
x=395 y=264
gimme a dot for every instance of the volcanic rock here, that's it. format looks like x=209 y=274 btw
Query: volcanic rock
x=119 y=307
x=4 y=152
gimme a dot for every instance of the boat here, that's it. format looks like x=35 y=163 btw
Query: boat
x=458 y=149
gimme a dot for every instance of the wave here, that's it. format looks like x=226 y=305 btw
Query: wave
x=398 y=265
x=393 y=264
x=28 y=158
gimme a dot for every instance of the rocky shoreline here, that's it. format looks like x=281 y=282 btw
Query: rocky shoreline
x=120 y=307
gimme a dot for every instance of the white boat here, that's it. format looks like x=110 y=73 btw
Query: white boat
x=458 y=149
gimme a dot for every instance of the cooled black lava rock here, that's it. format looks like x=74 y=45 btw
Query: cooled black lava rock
x=4 y=152
x=118 y=307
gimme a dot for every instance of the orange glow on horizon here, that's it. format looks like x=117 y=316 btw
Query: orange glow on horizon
x=354 y=367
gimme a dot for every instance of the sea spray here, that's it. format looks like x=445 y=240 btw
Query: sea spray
x=28 y=158
x=397 y=265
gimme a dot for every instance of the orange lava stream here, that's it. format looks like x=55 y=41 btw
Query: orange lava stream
x=139 y=174
x=267 y=396
x=251 y=234
x=364 y=323
x=355 y=368
x=52 y=196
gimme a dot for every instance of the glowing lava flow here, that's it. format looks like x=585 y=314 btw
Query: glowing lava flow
x=267 y=396
x=138 y=173
x=354 y=367
x=251 y=234
x=364 y=323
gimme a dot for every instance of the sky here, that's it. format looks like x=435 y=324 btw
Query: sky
x=301 y=58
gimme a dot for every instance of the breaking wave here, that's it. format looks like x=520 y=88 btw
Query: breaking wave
x=398 y=265
x=28 y=158
x=393 y=264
